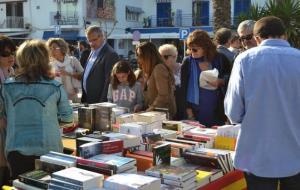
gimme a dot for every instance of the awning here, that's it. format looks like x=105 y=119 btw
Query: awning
x=134 y=9
x=66 y=35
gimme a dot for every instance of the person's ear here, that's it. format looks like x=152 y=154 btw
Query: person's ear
x=258 y=39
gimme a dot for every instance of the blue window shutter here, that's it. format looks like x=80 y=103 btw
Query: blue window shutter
x=204 y=12
x=163 y=14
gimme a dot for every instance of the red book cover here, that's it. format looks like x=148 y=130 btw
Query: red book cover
x=111 y=147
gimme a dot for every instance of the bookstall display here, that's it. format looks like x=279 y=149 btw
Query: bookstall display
x=138 y=151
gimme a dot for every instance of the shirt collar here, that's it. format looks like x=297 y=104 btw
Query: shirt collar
x=96 y=51
x=275 y=42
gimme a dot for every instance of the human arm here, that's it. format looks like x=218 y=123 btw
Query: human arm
x=234 y=103
x=140 y=98
x=65 y=112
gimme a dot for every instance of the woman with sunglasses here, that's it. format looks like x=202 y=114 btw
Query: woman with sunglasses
x=7 y=60
x=159 y=83
x=204 y=104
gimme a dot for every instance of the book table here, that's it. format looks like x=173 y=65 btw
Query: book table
x=231 y=181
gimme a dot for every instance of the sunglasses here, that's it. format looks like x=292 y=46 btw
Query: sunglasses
x=7 y=53
x=194 y=50
x=247 y=37
x=167 y=56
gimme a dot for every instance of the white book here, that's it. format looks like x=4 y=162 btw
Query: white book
x=183 y=184
x=79 y=177
x=165 y=133
x=150 y=117
x=128 y=140
x=132 y=182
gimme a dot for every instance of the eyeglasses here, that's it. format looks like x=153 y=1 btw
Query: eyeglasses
x=167 y=56
x=194 y=50
x=247 y=37
x=7 y=53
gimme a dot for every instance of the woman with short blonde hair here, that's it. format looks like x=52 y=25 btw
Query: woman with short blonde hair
x=32 y=104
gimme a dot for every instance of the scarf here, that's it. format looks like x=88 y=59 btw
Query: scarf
x=193 y=85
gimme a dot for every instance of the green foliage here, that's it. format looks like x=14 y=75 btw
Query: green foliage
x=287 y=10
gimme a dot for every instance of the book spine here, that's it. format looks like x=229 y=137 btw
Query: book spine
x=56 y=187
x=66 y=185
x=62 y=178
x=97 y=164
x=96 y=169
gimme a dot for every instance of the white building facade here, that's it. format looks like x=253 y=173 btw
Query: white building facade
x=156 y=20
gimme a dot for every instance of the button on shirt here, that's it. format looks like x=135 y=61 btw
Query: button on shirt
x=264 y=96
x=89 y=65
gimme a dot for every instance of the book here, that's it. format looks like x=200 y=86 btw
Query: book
x=132 y=182
x=106 y=147
x=150 y=117
x=79 y=177
x=57 y=187
x=99 y=166
x=162 y=154
x=83 y=140
x=128 y=140
x=36 y=178
x=122 y=163
x=20 y=185
x=86 y=117
x=100 y=170
x=48 y=167
x=183 y=184
x=172 y=172
x=171 y=125
x=165 y=133
x=59 y=159
x=63 y=184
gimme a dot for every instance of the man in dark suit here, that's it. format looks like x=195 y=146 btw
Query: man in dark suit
x=98 y=67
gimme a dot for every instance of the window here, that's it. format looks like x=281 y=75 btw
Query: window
x=200 y=13
x=133 y=13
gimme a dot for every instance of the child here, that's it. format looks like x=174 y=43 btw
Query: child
x=124 y=90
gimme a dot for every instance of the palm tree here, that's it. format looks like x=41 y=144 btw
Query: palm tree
x=222 y=14
x=287 y=10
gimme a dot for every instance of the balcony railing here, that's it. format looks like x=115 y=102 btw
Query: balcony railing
x=65 y=18
x=177 y=20
x=13 y=22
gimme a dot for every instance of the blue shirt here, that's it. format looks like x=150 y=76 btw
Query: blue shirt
x=32 y=111
x=264 y=96
x=89 y=65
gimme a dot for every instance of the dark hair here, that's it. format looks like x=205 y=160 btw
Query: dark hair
x=269 y=26
x=201 y=38
x=149 y=57
x=222 y=36
x=122 y=67
x=84 y=43
x=6 y=42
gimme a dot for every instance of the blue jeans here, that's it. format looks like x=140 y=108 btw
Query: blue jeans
x=263 y=183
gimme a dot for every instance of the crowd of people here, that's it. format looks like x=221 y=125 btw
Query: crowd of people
x=35 y=97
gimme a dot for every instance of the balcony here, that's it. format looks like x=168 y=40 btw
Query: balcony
x=64 y=18
x=12 y=22
x=176 y=20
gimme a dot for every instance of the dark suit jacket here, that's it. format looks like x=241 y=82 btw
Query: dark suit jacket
x=84 y=57
x=98 y=79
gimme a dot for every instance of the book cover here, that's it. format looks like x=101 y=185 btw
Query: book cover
x=122 y=163
x=171 y=125
x=99 y=164
x=36 y=178
x=48 y=167
x=162 y=154
x=183 y=184
x=100 y=170
x=20 y=185
x=80 y=177
x=132 y=182
x=128 y=140
x=57 y=187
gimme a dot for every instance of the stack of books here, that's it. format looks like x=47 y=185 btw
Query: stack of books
x=59 y=159
x=103 y=113
x=206 y=175
x=183 y=178
x=129 y=141
x=132 y=182
x=76 y=178
x=214 y=158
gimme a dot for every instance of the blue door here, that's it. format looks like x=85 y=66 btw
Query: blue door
x=240 y=6
x=164 y=14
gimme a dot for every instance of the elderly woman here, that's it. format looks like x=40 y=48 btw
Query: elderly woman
x=159 y=80
x=32 y=104
x=169 y=54
x=204 y=104
x=67 y=68
x=7 y=60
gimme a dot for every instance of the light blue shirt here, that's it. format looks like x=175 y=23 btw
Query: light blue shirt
x=264 y=96
x=89 y=65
